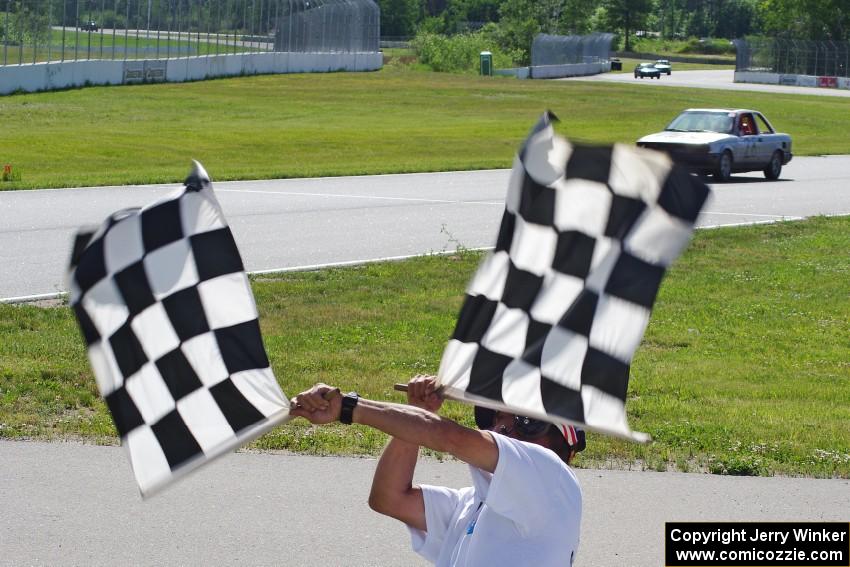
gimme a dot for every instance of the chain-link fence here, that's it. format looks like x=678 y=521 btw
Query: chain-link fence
x=321 y=26
x=34 y=31
x=794 y=57
x=567 y=49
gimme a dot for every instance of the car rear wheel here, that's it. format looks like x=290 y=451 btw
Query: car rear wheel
x=774 y=168
x=724 y=167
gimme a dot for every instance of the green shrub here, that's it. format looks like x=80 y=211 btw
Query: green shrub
x=27 y=27
x=694 y=45
x=458 y=53
x=708 y=46
x=737 y=465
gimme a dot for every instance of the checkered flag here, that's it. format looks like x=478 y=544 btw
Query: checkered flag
x=165 y=307
x=554 y=314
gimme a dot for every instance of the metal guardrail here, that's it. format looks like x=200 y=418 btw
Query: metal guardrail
x=36 y=31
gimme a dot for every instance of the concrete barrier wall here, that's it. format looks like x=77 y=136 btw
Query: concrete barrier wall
x=792 y=80
x=555 y=71
x=518 y=72
x=754 y=77
x=572 y=70
x=56 y=75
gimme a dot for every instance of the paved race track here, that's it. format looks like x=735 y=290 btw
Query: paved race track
x=301 y=222
x=709 y=79
x=69 y=504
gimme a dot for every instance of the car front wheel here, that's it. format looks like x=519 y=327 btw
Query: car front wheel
x=774 y=168
x=724 y=167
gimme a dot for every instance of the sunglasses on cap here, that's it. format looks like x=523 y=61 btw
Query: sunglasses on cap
x=528 y=428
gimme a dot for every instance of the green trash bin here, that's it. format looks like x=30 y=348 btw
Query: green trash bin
x=486 y=61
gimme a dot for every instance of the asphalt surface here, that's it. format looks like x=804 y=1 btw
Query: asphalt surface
x=69 y=504
x=305 y=222
x=723 y=79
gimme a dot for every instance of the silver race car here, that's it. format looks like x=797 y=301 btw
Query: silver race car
x=647 y=70
x=663 y=65
x=722 y=141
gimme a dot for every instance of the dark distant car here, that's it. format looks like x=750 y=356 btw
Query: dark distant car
x=722 y=141
x=91 y=25
x=647 y=70
x=663 y=66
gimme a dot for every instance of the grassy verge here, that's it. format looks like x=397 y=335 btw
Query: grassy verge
x=743 y=369
x=347 y=124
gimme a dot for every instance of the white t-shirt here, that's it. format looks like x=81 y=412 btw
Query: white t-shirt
x=528 y=512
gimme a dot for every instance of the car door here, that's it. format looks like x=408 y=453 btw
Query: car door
x=767 y=141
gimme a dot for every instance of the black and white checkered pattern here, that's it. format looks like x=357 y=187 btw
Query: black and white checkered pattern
x=553 y=316
x=167 y=312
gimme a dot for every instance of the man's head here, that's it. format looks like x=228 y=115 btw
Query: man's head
x=564 y=440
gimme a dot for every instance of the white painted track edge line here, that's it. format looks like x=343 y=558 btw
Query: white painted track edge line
x=338 y=195
x=305 y=268
x=216 y=184
x=749 y=215
x=771 y=221
x=348 y=263
x=284 y=193
x=314 y=267
x=32 y=298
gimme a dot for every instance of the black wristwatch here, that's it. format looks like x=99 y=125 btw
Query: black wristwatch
x=349 y=402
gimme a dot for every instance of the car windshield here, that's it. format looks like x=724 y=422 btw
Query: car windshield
x=702 y=122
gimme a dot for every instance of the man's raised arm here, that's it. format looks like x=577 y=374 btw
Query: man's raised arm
x=411 y=426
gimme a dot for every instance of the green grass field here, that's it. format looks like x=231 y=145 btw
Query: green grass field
x=348 y=123
x=744 y=367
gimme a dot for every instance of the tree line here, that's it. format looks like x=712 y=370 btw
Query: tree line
x=513 y=22
x=668 y=19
